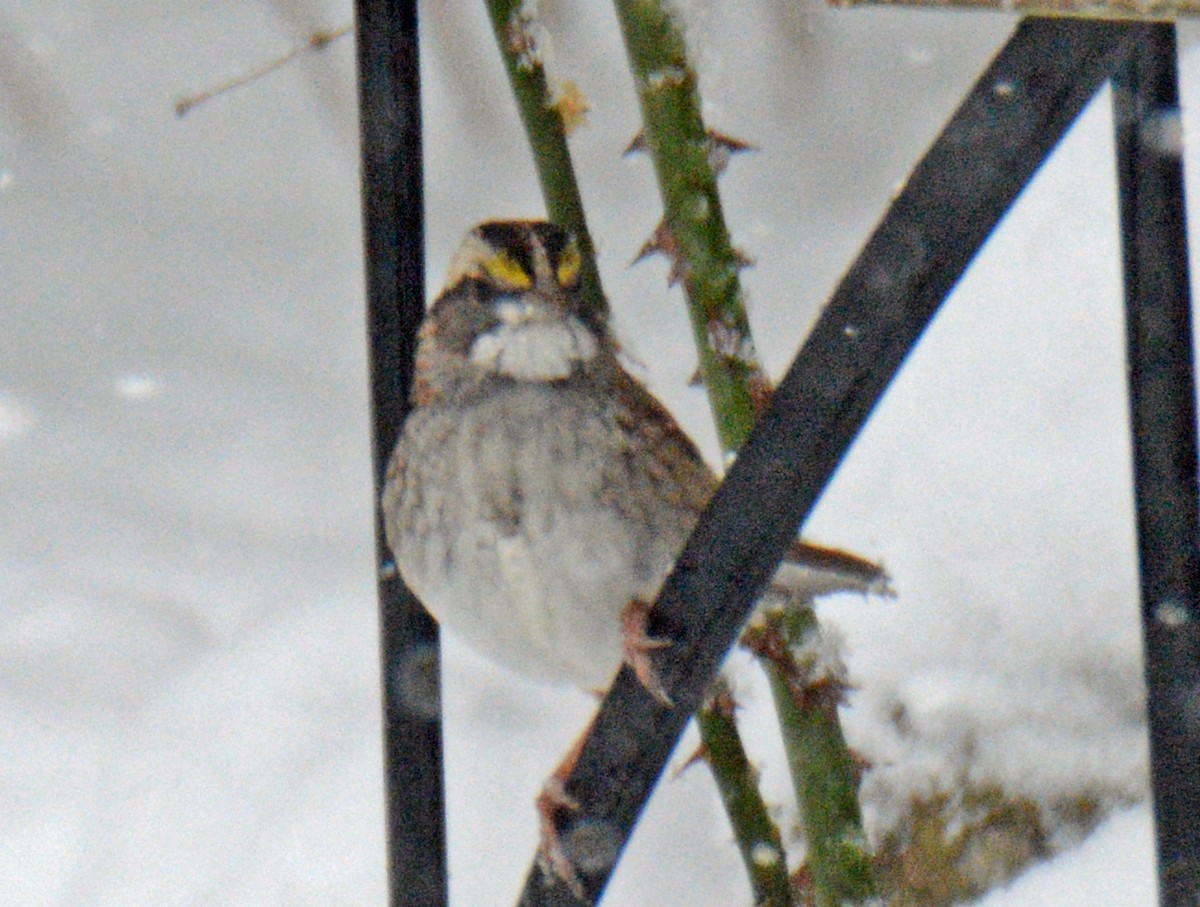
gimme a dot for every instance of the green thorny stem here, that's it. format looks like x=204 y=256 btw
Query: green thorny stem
x=695 y=236
x=756 y=832
x=697 y=240
x=753 y=827
x=787 y=643
x=516 y=36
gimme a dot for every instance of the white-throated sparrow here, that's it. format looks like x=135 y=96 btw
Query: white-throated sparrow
x=538 y=494
x=537 y=488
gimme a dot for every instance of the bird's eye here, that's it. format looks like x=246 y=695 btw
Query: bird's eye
x=569 y=264
x=507 y=272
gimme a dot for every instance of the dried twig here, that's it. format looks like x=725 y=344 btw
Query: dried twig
x=318 y=40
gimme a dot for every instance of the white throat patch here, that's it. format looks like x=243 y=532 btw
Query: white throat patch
x=527 y=347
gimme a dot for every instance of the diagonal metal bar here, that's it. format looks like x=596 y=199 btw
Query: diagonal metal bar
x=393 y=224
x=1163 y=408
x=1010 y=121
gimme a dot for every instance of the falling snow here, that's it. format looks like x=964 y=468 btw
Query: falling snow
x=189 y=673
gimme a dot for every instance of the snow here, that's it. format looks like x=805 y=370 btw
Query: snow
x=188 y=655
x=1113 y=867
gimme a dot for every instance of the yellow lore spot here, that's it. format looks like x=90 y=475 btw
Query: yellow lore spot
x=569 y=263
x=507 y=272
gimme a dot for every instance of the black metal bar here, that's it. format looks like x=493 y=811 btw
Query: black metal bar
x=393 y=221
x=1163 y=408
x=1011 y=120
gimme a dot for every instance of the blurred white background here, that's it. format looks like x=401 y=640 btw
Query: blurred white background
x=188 y=664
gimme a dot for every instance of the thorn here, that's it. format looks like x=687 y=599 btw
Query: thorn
x=722 y=148
x=649 y=247
x=699 y=754
x=729 y=143
x=660 y=242
x=742 y=260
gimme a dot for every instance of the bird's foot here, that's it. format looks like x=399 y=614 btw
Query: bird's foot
x=551 y=855
x=636 y=646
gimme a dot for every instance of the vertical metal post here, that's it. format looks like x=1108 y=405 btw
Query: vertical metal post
x=1163 y=406
x=393 y=221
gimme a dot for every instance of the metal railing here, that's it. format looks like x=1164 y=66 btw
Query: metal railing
x=1007 y=125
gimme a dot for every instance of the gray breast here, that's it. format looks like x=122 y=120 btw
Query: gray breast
x=525 y=522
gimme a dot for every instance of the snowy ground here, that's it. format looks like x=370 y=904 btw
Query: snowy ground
x=187 y=631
